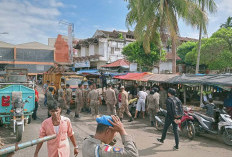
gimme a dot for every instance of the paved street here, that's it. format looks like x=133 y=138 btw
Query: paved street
x=144 y=135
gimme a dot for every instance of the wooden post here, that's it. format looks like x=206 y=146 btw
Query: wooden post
x=201 y=100
x=184 y=95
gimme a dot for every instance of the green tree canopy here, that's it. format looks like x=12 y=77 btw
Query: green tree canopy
x=185 y=48
x=135 y=52
x=216 y=51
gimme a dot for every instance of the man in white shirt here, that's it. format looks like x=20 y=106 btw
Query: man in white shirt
x=141 y=102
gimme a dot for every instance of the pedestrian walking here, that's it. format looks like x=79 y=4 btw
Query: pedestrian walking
x=124 y=105
x=85 y=98
x=141 y=102
x=50 y=99
x=94 y=100
x=34 y=115
x=79 y=100
x=53 y=88
x=163 y=97
x=68 y=97
x=98 y=145
x=45 y=90
x=174 y=107
x=61 y=96
x=153 y=104
x=111 y=100
x=62 y=127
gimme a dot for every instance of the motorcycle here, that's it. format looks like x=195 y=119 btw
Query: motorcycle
x=220 y=125
x=18 y=117
x=186 y=126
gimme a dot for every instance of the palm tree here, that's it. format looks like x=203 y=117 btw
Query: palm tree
x=153 y=19
x=228 y=23
x=210 y=5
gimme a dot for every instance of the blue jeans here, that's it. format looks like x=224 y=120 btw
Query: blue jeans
x=45 y=99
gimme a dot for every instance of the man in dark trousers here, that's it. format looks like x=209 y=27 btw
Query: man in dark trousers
x=172 y=117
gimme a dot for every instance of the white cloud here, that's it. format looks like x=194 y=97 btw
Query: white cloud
x=29 y=20
x=225 y=6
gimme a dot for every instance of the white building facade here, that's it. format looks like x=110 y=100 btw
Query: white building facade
x=104 y=47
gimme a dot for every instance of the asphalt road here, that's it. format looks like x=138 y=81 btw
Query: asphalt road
x=144 y=136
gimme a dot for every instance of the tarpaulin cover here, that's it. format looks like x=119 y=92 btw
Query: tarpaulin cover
x=222 y=79
x=132 y=76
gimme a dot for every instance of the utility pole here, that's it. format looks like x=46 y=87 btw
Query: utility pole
x=70 y=38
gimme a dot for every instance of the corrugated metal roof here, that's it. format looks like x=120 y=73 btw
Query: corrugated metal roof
x=6 y=45
x=158 y=77
x=34 y=45
x=133 y=76
x=118 y=63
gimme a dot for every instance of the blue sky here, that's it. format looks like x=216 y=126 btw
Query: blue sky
x=37 y=20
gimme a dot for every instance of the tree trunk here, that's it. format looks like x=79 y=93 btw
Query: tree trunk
x=199 y=44
x=173 y=56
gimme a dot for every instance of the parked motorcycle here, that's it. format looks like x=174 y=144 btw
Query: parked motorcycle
x=186 y=126
x=18 y=117
x=220 y=125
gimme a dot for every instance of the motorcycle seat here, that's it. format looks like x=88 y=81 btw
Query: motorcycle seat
x=206 y=117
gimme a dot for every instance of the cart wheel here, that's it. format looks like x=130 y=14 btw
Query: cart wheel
x=19 y=132
x=29 y=119
x=1 y=124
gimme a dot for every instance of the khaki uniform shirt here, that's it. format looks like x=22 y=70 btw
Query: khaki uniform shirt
x=60 y=94
x=153 y=101
x=124 y=98
x=85 y=94
x=163 y=95
x=93 y=95
x=79 y=96
x=50 y=99
x=68 y=94
x=110 y=96
x=95 y=148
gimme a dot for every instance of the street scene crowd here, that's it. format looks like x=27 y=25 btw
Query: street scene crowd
x=144 y=84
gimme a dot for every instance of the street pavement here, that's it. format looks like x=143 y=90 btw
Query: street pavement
x=144 y=136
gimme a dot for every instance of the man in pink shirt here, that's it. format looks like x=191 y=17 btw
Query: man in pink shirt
x=57 y=124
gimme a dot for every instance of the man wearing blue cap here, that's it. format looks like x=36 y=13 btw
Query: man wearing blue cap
x=98 y=145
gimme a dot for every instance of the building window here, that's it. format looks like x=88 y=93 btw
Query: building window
x=117 y=49
x=40 y=67
x=112 y=50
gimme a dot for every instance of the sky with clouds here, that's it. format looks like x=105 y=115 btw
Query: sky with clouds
x=37 y=20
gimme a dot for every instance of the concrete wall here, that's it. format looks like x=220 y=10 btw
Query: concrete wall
x=32 y=68
x=166 y=66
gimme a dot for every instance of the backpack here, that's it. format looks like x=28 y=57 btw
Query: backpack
x=178 y=107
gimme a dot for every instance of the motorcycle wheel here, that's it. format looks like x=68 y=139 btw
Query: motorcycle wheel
x=19 y=132
x=29 y=119
x=227 y=137
x=190 y=131
x=158 y=125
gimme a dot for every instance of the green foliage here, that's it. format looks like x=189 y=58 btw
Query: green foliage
x=152 y=19
x=135 y=52
x=185 y=48
x=228 y=23
x=120 y=36
x=216 y=51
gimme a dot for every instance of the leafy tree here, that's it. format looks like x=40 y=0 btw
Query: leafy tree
x=135 y=52
x=185 y=48
x=228 y=23
x=216 y=51
x=153 y=19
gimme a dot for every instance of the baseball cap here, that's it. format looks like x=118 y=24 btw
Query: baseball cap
x=122 y=87
x=104 y=120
